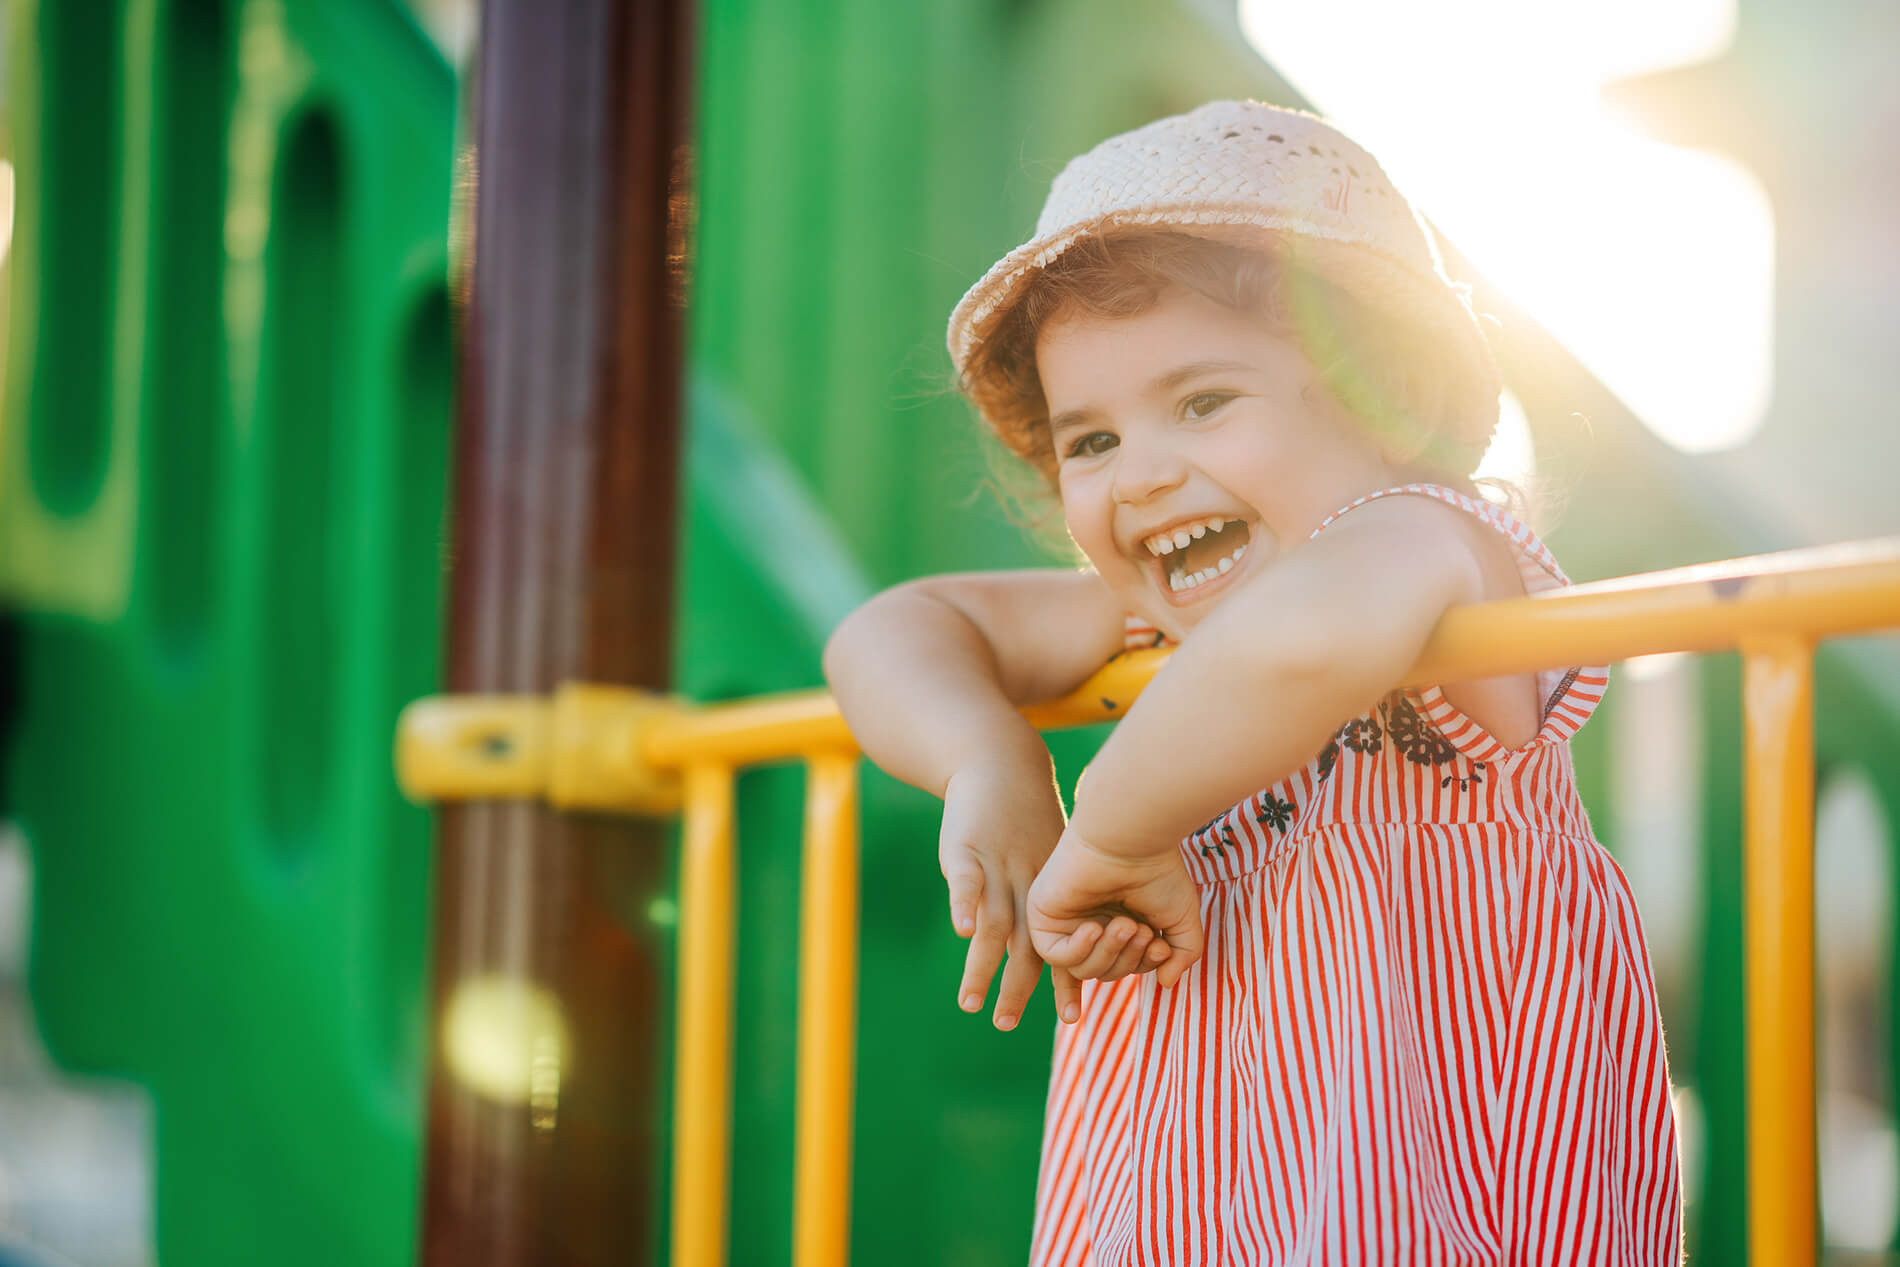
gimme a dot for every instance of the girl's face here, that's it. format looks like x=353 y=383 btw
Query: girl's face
x=1193 y=444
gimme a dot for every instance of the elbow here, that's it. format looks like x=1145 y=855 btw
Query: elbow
x=831 y=657
x=841 y=647
x=854 y=643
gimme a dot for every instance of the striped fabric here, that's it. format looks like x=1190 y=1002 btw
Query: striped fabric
x=1424 y=1030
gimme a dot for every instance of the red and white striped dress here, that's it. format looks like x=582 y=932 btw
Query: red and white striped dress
x=1424 y=1030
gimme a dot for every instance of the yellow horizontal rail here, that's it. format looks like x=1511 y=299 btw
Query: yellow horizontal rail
x=1822 y=592
x=609 y=748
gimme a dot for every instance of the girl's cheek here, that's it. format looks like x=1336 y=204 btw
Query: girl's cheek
x=1098 y=547
x=1085 y=515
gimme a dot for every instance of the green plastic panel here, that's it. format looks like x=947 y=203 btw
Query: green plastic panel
x=221 y=483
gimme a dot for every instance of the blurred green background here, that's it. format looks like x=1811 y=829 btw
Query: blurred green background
x=223 y=464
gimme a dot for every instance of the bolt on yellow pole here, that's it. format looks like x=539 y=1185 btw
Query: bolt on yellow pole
x=827 y=1007
x=702 y=1123
x=1778 y=903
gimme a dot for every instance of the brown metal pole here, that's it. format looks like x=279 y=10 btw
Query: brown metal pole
x=547 y=1037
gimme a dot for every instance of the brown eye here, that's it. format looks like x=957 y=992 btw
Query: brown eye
x=1093 y=444
x=1202 y=404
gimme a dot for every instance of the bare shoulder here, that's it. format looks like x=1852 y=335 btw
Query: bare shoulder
x=1419 y=545
x=1431 y=555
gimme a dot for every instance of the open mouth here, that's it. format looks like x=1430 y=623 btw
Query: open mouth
x=1195 y=553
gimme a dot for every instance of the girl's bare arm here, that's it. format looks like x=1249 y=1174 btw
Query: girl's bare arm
x=1313 y=640
x=930 y=675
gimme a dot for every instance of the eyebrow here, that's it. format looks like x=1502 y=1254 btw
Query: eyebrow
x=1197 y=369
x=1166 y=382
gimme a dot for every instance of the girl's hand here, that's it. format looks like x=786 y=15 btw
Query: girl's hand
x=1081 y=898
x=1001 y=818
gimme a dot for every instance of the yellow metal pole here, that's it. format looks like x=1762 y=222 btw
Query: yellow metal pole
x=1778 y=884
x=702 y=1126
x=828 y=987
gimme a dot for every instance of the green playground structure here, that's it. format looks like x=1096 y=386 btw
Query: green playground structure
x=226 y=458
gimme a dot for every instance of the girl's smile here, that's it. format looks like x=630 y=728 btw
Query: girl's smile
x=1198 y=552
x=1196 y=558
x=1193 y=443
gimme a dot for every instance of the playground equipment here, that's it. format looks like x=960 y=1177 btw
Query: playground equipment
x=223 y=488
x=586 y=750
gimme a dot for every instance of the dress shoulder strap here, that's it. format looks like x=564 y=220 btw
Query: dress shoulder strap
x=1534 y=558
x=1568 y=695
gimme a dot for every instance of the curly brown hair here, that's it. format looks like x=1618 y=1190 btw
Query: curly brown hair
x=1382 y=371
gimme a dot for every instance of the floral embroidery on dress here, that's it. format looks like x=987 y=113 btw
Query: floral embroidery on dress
x=1217 y=846
x=1361 y=734
x=1274 y=812
x=1328 y=758
x=1467 y=781
x=1416 y=739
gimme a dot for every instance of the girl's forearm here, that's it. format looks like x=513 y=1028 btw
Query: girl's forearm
x=1192 y=747
x=921 y=690
x=1247 y=701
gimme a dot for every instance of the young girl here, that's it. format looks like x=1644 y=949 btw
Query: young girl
x=1357 y=983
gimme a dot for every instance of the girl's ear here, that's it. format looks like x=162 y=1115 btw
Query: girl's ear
x=1403 y=444
x=1407 y=435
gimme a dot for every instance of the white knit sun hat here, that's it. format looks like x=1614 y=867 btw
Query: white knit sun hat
x=1254 y=174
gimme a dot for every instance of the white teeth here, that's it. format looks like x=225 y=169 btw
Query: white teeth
x=1166 y=543
x=1178 y=581
x=1177 y=538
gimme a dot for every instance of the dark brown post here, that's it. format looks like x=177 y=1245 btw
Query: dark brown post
x=548 y=1038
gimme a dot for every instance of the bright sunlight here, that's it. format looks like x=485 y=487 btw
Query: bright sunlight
x=1653 y=264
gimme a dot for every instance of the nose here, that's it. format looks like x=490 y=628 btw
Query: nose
x=1146 y=466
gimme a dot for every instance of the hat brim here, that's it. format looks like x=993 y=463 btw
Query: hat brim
x=1428 y=302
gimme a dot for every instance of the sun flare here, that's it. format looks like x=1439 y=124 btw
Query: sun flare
x=1653 y=264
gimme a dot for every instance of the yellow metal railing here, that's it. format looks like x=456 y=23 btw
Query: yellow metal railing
x=604 y=748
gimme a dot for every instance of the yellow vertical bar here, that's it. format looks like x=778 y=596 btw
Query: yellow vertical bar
x=828 y=987
x=1778 y=884
x=702 y=1126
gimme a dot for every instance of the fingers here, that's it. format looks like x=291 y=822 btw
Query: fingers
x=1114 y=941
x=1123 y=946
x=1184 y=947
x=996 y=919
x=1068 y=995
x=965 y=879
x=1068 y=950
x=1019 y=980
x=1134 y=956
